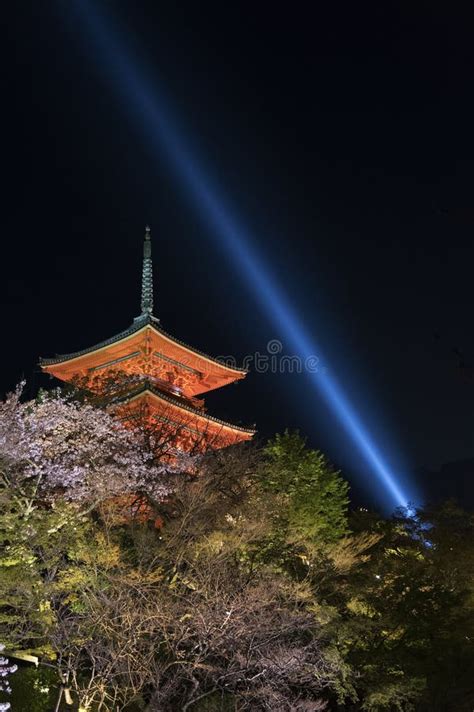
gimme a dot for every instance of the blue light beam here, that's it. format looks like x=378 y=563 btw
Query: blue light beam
x=146 y=107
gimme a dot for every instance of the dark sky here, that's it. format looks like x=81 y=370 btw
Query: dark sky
x=342 y=138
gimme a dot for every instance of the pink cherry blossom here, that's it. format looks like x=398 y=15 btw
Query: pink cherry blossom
x=76 y=450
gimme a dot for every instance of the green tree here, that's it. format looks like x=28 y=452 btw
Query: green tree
x=313 y=497
x=411 y=622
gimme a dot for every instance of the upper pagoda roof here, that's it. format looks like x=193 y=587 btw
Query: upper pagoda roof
x=146 y=346
x=138 y=324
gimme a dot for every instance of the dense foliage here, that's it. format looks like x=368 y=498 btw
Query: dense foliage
x=258 y=589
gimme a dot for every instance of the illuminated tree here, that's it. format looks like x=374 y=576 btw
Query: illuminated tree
x=234 y=628
x=57 y=446
x=412 y=612
x=5 y=670
x=59 y=461
x=313 y=496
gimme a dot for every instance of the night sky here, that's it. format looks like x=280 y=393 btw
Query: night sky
x=343 y=140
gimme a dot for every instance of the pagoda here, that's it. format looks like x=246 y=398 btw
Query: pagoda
x=156 y=376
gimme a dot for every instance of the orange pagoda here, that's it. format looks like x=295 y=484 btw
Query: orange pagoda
x=160 y=376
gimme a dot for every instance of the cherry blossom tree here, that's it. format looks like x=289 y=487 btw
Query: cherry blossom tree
x=57 y=446
x=60 y=460
x=5 y=670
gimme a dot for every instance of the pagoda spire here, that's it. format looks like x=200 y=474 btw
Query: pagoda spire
x=147 y=276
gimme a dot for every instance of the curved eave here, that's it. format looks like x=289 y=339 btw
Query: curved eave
x=148 y=389
x=134 y=329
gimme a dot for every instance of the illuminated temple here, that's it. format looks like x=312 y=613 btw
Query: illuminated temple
x=156 y=376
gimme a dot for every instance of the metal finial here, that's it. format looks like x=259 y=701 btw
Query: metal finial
x=147 y=276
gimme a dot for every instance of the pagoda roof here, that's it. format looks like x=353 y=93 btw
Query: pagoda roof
x=138 y=324
x=148 y=388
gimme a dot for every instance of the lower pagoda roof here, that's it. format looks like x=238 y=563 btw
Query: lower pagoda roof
x=147 y=388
